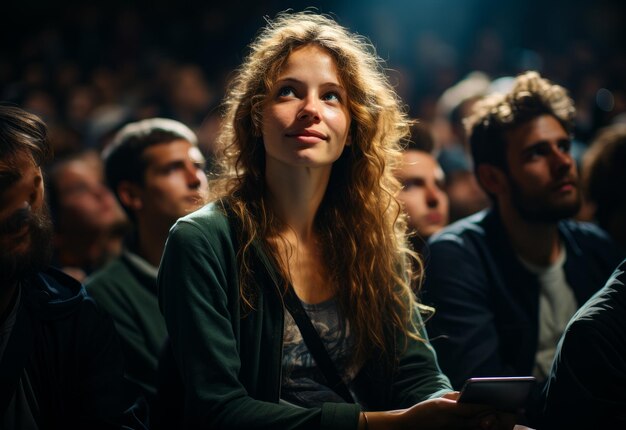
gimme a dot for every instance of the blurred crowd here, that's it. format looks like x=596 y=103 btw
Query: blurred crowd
x=89 y=70
x=131 y=98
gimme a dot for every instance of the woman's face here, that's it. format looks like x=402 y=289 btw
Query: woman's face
x=306 y=120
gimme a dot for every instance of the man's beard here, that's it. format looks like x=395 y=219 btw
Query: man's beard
x=539 y=208
x=15 y=266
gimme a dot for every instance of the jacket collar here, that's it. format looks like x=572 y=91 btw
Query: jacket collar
x=52 y=294
x=516 y=274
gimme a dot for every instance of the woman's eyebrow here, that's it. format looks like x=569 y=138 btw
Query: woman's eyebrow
x=300 y=82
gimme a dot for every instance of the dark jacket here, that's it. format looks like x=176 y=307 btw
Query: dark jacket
x=127 y=292
x=70 y=352
x=487 y=304
x=230 y=361
x=587 y=384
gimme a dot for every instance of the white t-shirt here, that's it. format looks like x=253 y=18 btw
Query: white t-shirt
x=557 y=304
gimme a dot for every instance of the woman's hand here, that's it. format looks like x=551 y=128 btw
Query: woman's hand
x=441 y=413
x=446 y=413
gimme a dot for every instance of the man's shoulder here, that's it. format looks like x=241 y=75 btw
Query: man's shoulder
x=588 y=241
x=52 y=294
x=116 y=274
x=476 y=244
x=609 y=303
x=111 y=270
x=74 y=346
x=52 y=286
x=468 y=228
x=584 y=230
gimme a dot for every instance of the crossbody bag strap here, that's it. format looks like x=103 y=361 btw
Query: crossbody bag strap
x=309 y=334
x=315 y=345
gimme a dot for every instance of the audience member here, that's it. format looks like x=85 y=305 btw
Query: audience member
x=465 y=196
x=60 y=362
x=587 y=385
x=604 y=176
x=506 y=281
x=156 y=172
x=305 y=214
x=89 y=223
x=422 y=195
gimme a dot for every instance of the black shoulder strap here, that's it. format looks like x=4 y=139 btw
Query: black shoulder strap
x=314 y=344
x=309 y=334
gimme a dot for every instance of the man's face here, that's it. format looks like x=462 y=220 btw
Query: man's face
x=85 y=203
x=174 y=181
x=424 y=199
x=25 y=226
x=543 y=179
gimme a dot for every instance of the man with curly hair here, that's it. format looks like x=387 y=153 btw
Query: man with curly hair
x=506 y=281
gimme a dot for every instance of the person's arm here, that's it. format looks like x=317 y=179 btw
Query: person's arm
x=586 y=384
x=197 y=282
x=420 y=387
x=582 y=389
x=462 y=329
x=418 y=376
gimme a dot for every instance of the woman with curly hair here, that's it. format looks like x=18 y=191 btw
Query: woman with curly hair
x=305 y=203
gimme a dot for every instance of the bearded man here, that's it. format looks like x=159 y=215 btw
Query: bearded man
x=60 y=362
x=506 y=281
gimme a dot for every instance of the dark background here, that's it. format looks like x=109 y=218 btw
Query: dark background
x=125 y=53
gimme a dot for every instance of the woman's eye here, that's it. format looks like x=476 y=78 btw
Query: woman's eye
x=286 y=92
x=332 y=96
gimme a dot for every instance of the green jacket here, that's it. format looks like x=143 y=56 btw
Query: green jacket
x=230 y=361
x=127 y=291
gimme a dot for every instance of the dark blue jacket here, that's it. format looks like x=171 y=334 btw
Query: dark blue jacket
x=70 y=351
x=486 y=321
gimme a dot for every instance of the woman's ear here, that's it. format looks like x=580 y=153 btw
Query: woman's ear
x=492 y=178
x=130 y=195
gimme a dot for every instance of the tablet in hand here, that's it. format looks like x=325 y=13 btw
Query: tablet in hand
x=507 y=394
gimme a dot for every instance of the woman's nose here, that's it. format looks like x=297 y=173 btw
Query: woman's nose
x=309 y=109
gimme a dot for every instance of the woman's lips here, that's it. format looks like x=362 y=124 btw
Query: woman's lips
x=307 y=136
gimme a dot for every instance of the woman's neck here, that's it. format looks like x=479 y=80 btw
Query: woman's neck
x=296 y=194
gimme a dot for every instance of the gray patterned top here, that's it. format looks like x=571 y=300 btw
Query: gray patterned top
x=303 y=383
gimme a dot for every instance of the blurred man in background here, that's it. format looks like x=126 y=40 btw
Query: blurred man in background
x=89 y=222
x=423 y=188
x=465 y=195
x=157 y=173
x=604 y=176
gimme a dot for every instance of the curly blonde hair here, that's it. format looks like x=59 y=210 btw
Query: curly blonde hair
x=369 y=271
x=496 y=114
